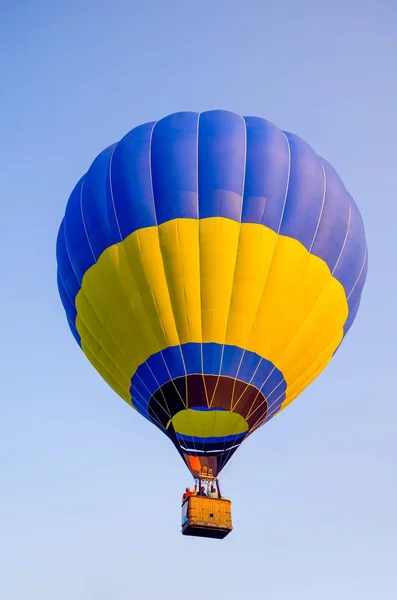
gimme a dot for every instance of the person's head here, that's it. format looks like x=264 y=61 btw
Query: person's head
x=202 y=489
x=188 y=489
x=212 y=488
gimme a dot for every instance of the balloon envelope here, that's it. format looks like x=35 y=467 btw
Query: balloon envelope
x=210 y=265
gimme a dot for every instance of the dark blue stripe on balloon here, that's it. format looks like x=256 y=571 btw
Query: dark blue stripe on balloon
x=261 y=373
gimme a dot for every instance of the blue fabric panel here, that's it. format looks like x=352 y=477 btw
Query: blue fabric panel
x=265 y=370
x=352 y=315
x=221 y=164
x=192 y=358
x=355 y=294
x=248 y=366
x=305 y=193
x=69 y=307
x=131 y=182
x=65 y=271
x=274 y=386
x=158 y=368
x=334 y=219
x=232 y=356
x=267 y=173
x=212 y=356
x=352 y=255
x=174 y=167
x=143 y=393
x=148 y=378
x=97 y=206
x=173 y=359
x=78 y=247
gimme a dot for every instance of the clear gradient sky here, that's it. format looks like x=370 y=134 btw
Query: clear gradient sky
x=90 y=491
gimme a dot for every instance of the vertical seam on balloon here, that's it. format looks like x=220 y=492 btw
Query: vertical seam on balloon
x=72 y=302
x=344 y=241
x=185 y=298
x=322 y=208
x=65 y=252
x=199 y=252
x=288 y=180
x=360 y=273
x=235 y=267
x=111 y=192
x=83 y=222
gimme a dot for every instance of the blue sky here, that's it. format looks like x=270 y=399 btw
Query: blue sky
x=89 y=490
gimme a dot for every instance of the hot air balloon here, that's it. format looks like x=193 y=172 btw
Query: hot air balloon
x=210 y=266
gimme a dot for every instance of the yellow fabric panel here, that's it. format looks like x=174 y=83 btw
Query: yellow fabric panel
x=218 y=252
x=179 y=243
x=215 y=423
x=213 y=280
x=300 y=302
x=110 y=378
x=254 y=259
x=108 y=303
x=144 y=255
